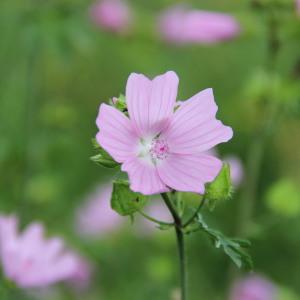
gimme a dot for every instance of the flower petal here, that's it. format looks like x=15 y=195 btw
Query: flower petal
x=151 y=103
x=116 y=133
x=143 y=178
x=194 y=127
x=189 y=173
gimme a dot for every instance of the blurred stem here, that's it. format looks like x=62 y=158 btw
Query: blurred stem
x=256 y=150
x=180 y=244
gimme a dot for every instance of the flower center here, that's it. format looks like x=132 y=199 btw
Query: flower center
x=159 y=149
x=153 y=149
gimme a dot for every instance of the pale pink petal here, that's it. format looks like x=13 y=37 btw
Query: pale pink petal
x=194 y=127
x=116 y=135
x=151 y=103
x=143 y=177
x=53 y=247
x=32 y=239
x=189 y=173
x=8 y=231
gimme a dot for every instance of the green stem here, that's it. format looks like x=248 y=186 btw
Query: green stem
x=196 y=213
x=182 y=262
x=154 y=220
x=180 y=244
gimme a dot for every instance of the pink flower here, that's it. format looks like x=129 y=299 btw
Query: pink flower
x=80 y=280
x=298 y=7
x=112 y=15
x=253 y=288
x=159 y=148
x=29 y=259
x=182 y=26
x=236 y=169
x=96 y=217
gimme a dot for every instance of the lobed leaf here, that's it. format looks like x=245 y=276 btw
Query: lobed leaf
x=124 y=201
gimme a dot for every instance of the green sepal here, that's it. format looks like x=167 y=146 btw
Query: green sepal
x=124 y=201
x=220 y=189
x=102 y=158
x=119 y=103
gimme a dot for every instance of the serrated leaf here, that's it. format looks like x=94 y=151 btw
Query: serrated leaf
x=102 y=158
x=232 y=247
x=124 y=201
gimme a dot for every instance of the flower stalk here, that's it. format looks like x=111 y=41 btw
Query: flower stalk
x=179 y=226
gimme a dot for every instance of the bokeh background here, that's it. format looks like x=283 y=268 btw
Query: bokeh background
x=57 y=66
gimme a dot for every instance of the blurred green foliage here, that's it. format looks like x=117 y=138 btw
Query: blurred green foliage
x=56 y=68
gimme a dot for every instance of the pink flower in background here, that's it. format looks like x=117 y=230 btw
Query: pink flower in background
x=183 y=26
x=29 y=259
x=236 y=169
x=253 y=288
x=112 y=15
x=81 y=278
x=298 y=6
x=157 y=210
x=160 y=148
x=96 y=218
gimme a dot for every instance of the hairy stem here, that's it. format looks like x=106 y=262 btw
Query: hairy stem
x=180 y=245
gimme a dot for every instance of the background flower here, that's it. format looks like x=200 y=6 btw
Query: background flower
x=181 y=25
x=29 y=259
x=112 y=15
x=95 y=218
x=236 y=169
x=253 y=287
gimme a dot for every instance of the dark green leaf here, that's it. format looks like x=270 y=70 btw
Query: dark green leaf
x=231 y=246
x=124 y=201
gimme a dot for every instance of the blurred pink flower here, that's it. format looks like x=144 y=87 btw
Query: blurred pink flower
x=160 y=148
x=298 y=7
x=96 y=218
x=158 y=210
x=253 y=288
x=180 y=25
x=112 y=15
x=236 y=169
x=29 y=259
x=80 y=280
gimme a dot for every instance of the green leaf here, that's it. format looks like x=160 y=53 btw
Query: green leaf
x=219 y=189
x=231 y=246
x=103 y=158
x=124 y=201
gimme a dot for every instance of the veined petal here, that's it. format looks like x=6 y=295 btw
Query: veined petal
x=189 y=173
x=143 y=177
x=151 y=103
x=194 y=127
x=116 y=133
